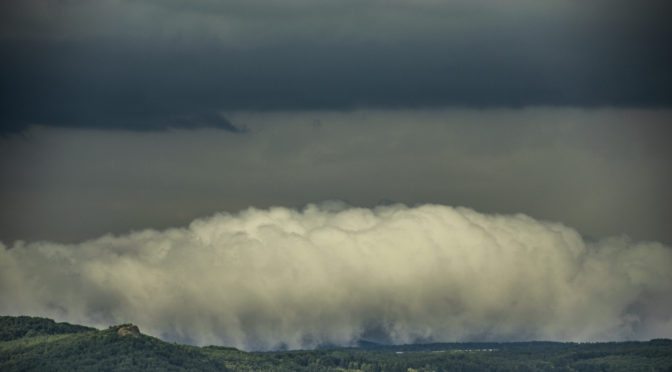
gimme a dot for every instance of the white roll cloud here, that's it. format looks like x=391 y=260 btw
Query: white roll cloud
x=334 y=274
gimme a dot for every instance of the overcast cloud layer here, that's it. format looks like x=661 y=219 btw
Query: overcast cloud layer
x=151 y=64
x=604 y=172
x=329 y=274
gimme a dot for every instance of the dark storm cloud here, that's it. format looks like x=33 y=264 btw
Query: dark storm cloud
x=151 y=65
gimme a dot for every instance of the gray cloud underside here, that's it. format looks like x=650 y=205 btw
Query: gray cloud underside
x=605 y=172
x=150 y=64
x=330 y=274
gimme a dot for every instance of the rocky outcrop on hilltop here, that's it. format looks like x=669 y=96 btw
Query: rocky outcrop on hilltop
x=129 y=330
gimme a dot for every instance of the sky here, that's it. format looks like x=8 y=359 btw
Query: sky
x=321 y=172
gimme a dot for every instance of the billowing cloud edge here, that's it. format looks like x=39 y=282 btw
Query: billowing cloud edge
x=334 y=274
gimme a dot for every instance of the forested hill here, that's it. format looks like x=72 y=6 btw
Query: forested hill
x=13 y=327
x=38 y=344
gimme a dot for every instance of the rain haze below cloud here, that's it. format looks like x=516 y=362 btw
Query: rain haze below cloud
x=332 y=274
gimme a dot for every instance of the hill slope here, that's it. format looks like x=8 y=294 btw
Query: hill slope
x=39 y=344
x=13 y=327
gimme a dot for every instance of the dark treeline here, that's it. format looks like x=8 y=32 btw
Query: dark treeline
x=37 y=344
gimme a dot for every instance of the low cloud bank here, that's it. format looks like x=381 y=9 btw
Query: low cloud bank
x=334 y=274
